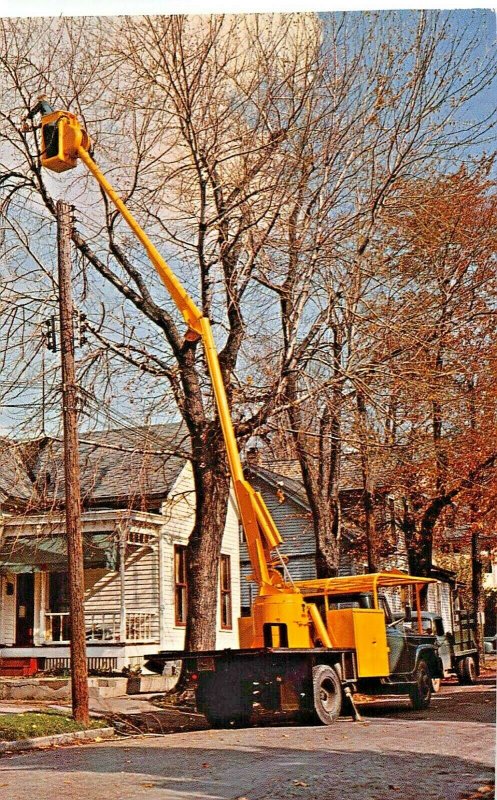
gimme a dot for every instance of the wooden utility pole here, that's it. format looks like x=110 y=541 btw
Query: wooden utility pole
x=79 y=666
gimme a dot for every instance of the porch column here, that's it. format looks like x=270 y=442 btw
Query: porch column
x=122 y=582
x=41 y=580
x=162 y=592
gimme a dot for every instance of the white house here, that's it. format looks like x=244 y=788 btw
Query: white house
x=139 y=503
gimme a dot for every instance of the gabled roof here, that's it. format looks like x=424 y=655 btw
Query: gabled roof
x=141 y=462
x=120 y=465
x=286 y=476
x=290 y=487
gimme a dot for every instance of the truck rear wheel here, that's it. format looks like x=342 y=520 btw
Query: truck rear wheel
x=466 y=670
x=327 y=693
x=420 y=692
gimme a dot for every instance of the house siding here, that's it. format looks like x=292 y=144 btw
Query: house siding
x=141 y=588
x=149 y=574
x=8 y=611
x=299 y=544
x=438 y=601
x=294 y=522
x=179 y=510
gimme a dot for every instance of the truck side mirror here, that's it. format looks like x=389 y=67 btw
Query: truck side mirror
x=408 y=613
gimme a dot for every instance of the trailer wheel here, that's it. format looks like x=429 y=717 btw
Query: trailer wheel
x=327 y=693
x=466 y=670
x=420 y=692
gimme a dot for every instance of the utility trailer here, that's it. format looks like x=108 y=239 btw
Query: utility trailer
x=372 y=652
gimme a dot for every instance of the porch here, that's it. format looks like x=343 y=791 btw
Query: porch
x=122 y=588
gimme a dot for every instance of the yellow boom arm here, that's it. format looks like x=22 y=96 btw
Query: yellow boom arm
x=63 y=142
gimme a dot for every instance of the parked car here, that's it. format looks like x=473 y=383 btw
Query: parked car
x=490 y=645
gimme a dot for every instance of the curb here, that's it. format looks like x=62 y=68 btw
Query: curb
x=57 y=738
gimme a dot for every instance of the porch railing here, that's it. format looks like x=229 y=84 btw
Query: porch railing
x=57 y=626
x=103 y=626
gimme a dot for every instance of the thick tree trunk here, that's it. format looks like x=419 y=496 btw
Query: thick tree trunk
x=212 y=484
x=326 y=523
x=420 y=549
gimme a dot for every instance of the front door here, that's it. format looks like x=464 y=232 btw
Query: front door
x=25 y=609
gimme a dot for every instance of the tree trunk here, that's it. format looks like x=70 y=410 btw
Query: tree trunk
x=476 y=586
x=212 y=484
x=367 y=486
x=326 y=523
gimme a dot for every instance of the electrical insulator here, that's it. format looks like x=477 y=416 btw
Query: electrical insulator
x=80 y=326
x=50 y=333
x=83 y=327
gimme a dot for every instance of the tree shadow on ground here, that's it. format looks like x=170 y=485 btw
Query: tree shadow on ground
x=239 y=764
x=464 y=707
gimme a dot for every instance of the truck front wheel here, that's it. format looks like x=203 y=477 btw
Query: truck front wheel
x=420 y=691
x=327 y=693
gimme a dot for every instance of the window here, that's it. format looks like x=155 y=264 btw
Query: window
x=225 y=585
x=180 y=588
x=383 y=604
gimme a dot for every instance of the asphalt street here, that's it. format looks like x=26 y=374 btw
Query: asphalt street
x=443 y=753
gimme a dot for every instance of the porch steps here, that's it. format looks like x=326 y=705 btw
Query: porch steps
x=15 y=667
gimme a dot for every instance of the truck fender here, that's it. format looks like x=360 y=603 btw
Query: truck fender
x=432 y=659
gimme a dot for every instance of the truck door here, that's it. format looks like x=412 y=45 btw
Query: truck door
x=396 y=639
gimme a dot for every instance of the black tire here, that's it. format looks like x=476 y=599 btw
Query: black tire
x=466 y=671
x=327 y=694
x=420 y=692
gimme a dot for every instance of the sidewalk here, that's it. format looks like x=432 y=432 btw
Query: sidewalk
x=128 y=714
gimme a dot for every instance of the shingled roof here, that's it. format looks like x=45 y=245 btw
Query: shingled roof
x=286 y=476
x=133 y=464
x=16 y=485
x=136 y=465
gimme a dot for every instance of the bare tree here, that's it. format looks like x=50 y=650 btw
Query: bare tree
x=260 y=153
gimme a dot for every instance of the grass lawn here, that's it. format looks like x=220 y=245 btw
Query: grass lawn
x=40 y=723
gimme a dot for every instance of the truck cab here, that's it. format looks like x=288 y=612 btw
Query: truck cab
x=387 y=646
